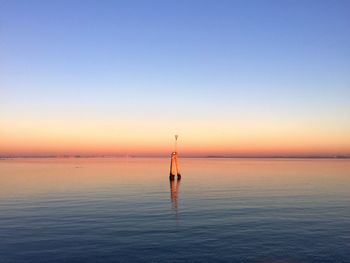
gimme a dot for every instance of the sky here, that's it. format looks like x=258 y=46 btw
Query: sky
x=232 y=78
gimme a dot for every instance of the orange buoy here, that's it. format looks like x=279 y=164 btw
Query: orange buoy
x=174 y=163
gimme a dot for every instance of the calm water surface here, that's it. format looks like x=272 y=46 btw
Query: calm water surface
x=222 y=210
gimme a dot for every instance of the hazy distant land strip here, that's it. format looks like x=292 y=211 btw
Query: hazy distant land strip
x=194 y=156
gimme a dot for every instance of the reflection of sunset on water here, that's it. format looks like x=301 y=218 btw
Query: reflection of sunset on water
x=128 y=202
x=21 y=177
x=174 y=193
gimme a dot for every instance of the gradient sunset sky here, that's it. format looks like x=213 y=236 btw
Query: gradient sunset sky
x=234 y=78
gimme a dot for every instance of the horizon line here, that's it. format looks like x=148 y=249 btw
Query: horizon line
x=164 y=156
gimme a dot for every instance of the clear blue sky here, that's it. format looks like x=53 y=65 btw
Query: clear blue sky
x=272 y=62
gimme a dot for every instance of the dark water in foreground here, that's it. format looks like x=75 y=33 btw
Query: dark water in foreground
x=223 y=210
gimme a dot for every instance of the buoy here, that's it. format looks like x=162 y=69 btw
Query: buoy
x=174 y=163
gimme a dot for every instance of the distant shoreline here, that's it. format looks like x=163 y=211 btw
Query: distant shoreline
x=186 y=157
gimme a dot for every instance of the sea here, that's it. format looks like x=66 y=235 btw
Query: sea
x=127 y=210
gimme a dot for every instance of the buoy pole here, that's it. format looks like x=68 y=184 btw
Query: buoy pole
x=174 y=164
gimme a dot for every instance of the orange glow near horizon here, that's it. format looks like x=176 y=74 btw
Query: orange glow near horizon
x=156 y=139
